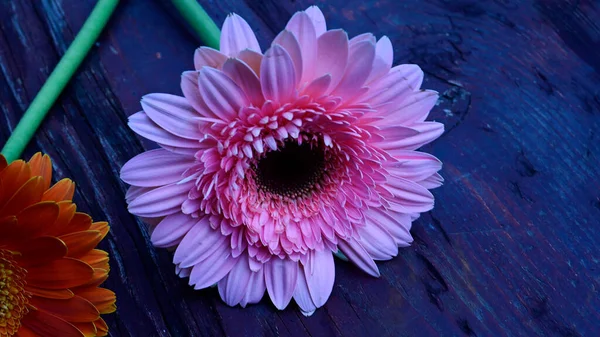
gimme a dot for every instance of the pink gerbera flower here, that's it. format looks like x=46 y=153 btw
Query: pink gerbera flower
x=272 y=163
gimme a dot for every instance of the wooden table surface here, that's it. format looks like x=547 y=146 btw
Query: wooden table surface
x=512 y=245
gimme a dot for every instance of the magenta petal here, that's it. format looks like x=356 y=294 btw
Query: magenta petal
x=255 y=290
x=236 y=36
x=246 y=79
x=360 y=63
x=277 y=75
x=281 y=276
x=303 y=29
x=318 y=19
x=191 y=91
x=234 y=286
x=320 y=275
x=359 y=256
x=171 y=230
x=212 y=270
x=402 y=138
x=155 y=168
x=302 y=296
x=332 y=55
x=208 y=57
x=220 y=93
x=161 y=201
x=288 y=41
x=145 y=127
x=134 y=192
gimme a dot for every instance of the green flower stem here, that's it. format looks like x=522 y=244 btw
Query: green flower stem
x=202 y=24
x=59 y=78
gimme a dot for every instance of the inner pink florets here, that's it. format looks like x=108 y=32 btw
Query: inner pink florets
x=287 y=219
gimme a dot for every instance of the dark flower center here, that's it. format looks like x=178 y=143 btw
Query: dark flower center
x=292 y=171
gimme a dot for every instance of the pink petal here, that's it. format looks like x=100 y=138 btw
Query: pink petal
x=413 y=109
x=255 y=290
x=171 y=230
x=199 y=243
x=222 y=96
x=161 y=201
x=172 y=113
x=191 y=91
x=236 y=36
x=141 y=124
x=332 y=55
x=252 y=59
x=318 y=19
x=246 y=79
x=361 y=38
x=415 y=166
x=318 y=87
x=384 y=57
x=398 y=84
x=432 y=182
x=360 y=63
x=397 y=224
x=377 y=241
x=134 y=192
x=281 y=277
x=411 y=138
x=288 y=41
x=303 y=29
x=355 y=252
x=234 y=286
x=212 y=270
x=302 y=296
x=155 y=168
x=277 y=75
x=409 y=196
x=208 y=57
x=320 y=275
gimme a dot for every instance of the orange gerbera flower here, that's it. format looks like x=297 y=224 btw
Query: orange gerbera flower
x=50 y=271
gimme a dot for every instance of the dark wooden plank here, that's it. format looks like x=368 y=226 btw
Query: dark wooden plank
x=511 y=247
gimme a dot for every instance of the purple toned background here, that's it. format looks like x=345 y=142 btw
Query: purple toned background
x=512 y=245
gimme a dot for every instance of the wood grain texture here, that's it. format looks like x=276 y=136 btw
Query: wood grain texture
x=511 y=248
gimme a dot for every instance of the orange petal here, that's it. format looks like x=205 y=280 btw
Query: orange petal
x=30 y=193
x=41 y=165
x=80 y=243
x=101 y=327
x=102 y=298
x=97 y=259
x=102 y=226
x=35 y=219
x=100 y=275
x=60 y=274
x=47 y=325
x=75 y=309
x=24 y=332
x=88 y=328
x=61 y=191
x=65 y=215
x=12 y=178
x=79 y=222
x=40 y=251
x=7 y=227
x=3 y=163
x=59 y=294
